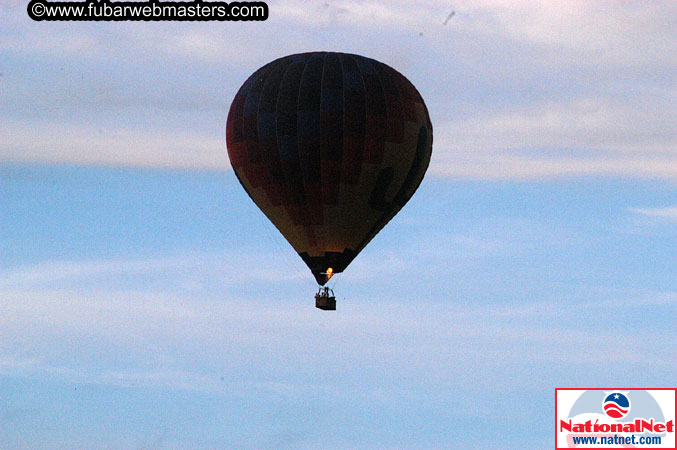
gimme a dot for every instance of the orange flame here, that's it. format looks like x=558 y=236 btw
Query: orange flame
x=330 y=273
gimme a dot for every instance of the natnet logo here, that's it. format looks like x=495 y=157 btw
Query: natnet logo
x=615 y=418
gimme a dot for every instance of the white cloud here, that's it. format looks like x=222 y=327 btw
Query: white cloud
x=228 y=266
x=59 y=271
x=91 y=145
x=595 y=124
x=504 y=165
x=606 y=30
x=669 y=213
x=593 y=136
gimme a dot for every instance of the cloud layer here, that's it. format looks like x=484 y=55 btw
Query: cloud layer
x=515 y=90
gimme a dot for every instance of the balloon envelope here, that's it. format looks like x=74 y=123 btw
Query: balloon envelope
x=330 y=146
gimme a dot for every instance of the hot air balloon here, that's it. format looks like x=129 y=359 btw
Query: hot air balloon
x=330 y=146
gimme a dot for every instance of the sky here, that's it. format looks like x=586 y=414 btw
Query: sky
x=146 y=303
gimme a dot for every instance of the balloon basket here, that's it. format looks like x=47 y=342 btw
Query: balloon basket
x=325 y=300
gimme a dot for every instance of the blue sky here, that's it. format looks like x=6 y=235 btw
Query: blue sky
x=145 y=303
